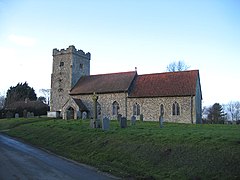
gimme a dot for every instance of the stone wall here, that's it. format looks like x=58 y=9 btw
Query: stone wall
x=150 y=108
x=105 y=101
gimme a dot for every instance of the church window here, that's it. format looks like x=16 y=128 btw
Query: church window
x=136 y=109
x=161 y=110
x=81 y=66
x=61 y=64
x=175 y=109
x=115 y=108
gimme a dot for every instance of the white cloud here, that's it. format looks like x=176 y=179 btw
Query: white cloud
x=22 y=40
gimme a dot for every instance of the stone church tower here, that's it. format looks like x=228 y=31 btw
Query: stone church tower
x=68 y=66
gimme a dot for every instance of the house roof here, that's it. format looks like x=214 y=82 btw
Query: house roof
x=104 y=83
x=25 y=105
x=166 y=84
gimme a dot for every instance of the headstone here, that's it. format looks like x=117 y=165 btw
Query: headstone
x=31 y=114
x=84 y=115
x=25 y=113
x=92 y=123
x=28 y=114
x=141 y=117
x=161 y=121
x=123 y=122
x=133 y=120
x=105 y=124
x=119 y=116
x=16 y=115
x=95 y=123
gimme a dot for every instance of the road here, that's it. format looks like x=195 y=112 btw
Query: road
x=21 y=161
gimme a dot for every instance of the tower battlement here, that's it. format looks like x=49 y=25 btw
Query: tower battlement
x=71 y=49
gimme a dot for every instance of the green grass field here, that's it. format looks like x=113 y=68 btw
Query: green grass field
x=143 y=151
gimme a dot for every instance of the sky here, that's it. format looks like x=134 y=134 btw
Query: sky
x=122 y=35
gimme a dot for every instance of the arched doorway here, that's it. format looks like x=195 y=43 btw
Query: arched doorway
x=70 y=113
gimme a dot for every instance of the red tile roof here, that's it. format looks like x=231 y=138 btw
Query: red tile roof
x=166 y=84
x=104 y=83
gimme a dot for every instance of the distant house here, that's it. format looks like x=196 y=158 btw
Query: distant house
x=175 y=95
x=21 y=108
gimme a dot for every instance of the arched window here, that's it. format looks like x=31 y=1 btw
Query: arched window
x=161 y=110
x=136 y=109
x=175 y=109
x=115 y=108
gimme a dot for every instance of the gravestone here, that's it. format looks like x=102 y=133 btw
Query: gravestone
x=119 y=116
x=95 y=123
x=105 y=124
x=92 y=123
x=161 y=121
x=141 y=117
x=133 y=120
x=16 y=115
x=123 y=122
x=84 y=115
x=28 y=114
x=25 y=113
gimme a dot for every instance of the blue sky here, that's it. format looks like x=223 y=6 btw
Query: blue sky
x=122 y=35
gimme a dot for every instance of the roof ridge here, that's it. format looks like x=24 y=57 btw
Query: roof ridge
x=113 y=73
x=175 y=72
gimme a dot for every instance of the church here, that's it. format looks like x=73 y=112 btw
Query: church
x=176 y=96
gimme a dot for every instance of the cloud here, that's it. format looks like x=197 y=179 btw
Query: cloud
x=22 y=40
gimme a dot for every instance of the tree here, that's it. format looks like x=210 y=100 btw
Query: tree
x=19 y=93
x=233 y=110
x=216 y=114
x=2 y=101
x=46 y=93
x=42 y=99
x=177 y=66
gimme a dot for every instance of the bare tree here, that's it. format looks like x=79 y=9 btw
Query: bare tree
x=46 y=93
x=231 y=110
x=177 y=66
x=2 y=101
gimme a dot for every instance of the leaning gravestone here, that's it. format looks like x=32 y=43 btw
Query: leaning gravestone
x=133 y=120
x=16 y=115
x=123 y=122
x=105 y=124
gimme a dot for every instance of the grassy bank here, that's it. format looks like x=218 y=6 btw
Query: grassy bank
x=177 y=151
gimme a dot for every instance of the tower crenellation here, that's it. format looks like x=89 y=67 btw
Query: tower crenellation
x=71 y=49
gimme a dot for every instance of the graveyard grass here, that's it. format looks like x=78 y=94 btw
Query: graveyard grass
x=141 y=151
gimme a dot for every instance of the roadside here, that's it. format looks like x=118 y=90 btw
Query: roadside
x=23 y=161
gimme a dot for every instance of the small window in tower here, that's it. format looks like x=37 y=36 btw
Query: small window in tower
x=61 y=64
x=81 y=66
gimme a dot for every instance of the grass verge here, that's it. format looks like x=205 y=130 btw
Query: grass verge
x=143 y=151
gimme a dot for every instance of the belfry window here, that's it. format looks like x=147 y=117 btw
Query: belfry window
x=136 y=109
x=175 y=109
x=61 y=64
x=81 y=66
